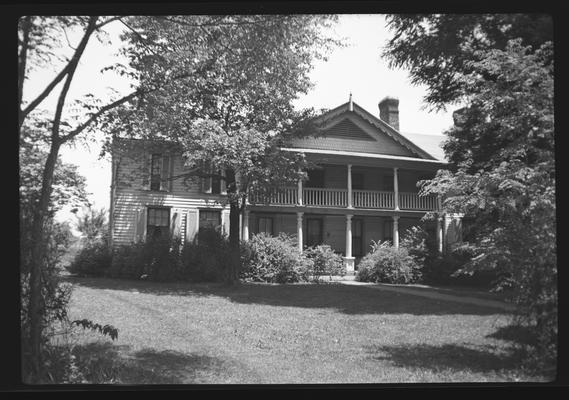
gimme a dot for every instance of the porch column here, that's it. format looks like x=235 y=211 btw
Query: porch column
x=396 y=231
x=349 y=261
x=245 y=225
x=299 y=230
x=396 y=188
x=350 y=196
x=440 y=233
x=299 y=192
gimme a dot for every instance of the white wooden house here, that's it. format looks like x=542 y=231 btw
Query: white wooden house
x=366 y=189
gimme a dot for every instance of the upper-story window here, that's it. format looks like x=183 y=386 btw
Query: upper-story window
x=156 y=171
x=212 y=179
x=160 y=166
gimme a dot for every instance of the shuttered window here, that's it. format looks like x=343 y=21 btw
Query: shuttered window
x=157 y=223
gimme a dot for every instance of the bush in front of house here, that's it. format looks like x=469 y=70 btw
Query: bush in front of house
x=273 y=259
x=388 y=264
x=155 y=260
x=206 y=258
x=323 y=262
x=94 y=259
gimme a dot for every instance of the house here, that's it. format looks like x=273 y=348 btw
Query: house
x=365 y=189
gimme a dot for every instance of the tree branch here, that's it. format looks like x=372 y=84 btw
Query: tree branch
x=71 y=71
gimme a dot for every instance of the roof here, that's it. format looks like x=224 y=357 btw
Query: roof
x=351 y=128
x=432 y=144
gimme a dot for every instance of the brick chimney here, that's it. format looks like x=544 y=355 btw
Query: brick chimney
x=389 y=111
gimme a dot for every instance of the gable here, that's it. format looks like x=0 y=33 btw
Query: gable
x=350 y=132
x=346 y=129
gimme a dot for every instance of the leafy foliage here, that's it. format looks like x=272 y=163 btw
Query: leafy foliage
x=94 y=259
x=107 y=330
x=388 y=264
x=437 y=48
x=206 y=259
x=323 y=261
x=273 y=259
x=501 y=147
x=92 y=223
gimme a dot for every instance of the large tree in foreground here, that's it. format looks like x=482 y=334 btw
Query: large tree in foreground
x=500 y=149
x=232 y=120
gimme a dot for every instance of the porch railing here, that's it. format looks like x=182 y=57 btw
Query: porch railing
x=373 y=199
x=412 y=201
x=324 y=197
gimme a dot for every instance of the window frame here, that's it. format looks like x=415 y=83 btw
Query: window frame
x=150 y=229
x=320 y=233
x=203 y=212
x=159 y=165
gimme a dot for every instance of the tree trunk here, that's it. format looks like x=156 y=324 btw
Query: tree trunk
x=37 y=259
x=234 y=210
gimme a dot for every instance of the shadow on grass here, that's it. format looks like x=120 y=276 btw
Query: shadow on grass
x=343 y=298
x=106 y=363
x=517 y=334
x=449 y=358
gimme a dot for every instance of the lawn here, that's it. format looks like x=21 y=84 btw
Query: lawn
x=287 y=334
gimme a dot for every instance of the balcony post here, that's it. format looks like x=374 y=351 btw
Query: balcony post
x=396 y=231
x=300 y=192
x=396 y=188
x=299 y=230
x=350 y=196
x=349 y=261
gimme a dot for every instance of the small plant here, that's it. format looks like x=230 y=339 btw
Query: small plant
x=206 y=259
x=387 y=264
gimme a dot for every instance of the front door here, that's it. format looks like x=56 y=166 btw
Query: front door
x=313 y=231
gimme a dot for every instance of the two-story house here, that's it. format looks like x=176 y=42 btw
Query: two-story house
x=365 y=189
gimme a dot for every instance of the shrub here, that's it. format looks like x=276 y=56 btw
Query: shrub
x=273 y=259
x=323 y=261
x=206 y=258
x=157 y=260
x=94 y=259
x=387 y=264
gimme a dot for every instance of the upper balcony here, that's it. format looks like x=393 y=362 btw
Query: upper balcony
x=339 y=198
x=363 y=188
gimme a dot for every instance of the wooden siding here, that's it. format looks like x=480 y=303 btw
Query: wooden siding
x=129 y=203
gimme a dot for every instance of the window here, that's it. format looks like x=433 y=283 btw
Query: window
x=265 y=225
x=388 y=230
x=210 y=219
x=157 y=223
x=155 y=171
x=357 y=181
x=216 y=183
x=357 y=237
x=315 y=178
x=387 y=183
x=313 y=231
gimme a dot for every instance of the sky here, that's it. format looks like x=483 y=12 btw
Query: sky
x=357 y=68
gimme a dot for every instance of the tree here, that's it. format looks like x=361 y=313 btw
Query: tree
x=500 y=149
x=230 y=121
x=92 y=223
x=436 y=48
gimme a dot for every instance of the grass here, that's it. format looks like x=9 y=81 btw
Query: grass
x=290 y=334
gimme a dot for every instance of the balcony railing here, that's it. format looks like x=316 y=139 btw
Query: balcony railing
x=371 y=199
x=325 y=197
